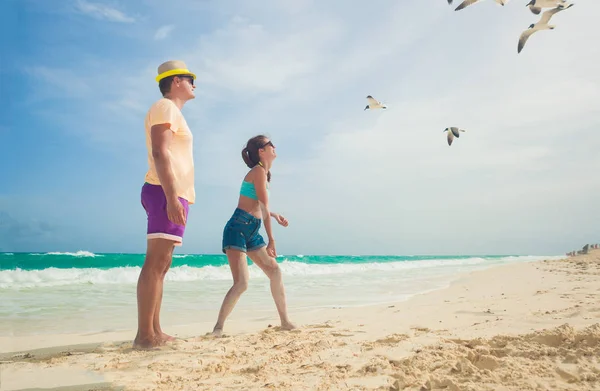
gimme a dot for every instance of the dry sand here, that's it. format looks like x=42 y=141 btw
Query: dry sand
x=531 y=326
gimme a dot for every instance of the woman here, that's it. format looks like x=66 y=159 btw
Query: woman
x=241 y=236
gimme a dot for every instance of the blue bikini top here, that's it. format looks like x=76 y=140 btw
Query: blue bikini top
x=248 y=190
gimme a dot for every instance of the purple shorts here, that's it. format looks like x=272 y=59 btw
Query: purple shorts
x=159 y=225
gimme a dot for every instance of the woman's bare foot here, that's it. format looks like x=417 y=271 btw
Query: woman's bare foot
x=287 y=326
x=217 y=332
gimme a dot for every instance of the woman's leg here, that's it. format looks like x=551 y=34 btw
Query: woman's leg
x=239 y=271
x=272 y=270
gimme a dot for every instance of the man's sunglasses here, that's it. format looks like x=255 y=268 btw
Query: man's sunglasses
x=189 y=78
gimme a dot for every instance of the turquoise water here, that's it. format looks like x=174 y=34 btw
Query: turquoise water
x=84 y=259
x=50 y=293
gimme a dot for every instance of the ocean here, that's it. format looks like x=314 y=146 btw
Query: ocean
x=83 y=292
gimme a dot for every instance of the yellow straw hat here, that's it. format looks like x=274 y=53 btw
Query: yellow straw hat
x=173 y=67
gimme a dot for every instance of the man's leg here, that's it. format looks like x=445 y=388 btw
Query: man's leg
x=163 y=235
x=156 y=321
x=149 y=288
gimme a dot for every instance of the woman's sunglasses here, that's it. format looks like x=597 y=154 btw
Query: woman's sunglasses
x=267 y=143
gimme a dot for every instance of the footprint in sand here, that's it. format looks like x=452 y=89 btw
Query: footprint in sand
x=574 y=314
x=22 y=356
x=392 y=339
x=209 y=336
x=278 y=328
x=336 y=334
x=320 y=326
x=420 y=330
x=376 y=365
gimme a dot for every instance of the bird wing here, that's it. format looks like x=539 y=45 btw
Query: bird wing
x=455 y=132
x=449 y=1
x=465 y=3
x=523 y=38
x=450 y=138
x=535 y=10
x=372 y=101
x=548 y=14
x=549 y=3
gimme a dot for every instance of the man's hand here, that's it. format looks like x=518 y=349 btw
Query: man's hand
x=175 y=211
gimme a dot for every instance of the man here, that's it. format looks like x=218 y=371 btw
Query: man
x=166 y=194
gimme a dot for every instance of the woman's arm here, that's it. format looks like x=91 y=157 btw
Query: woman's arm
x=280 y=219
x=260 y=184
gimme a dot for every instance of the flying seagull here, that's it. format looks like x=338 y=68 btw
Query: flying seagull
x=536 y=5
x=467 y=3
x=542 y=24
x=374 y=104
x=453 y=132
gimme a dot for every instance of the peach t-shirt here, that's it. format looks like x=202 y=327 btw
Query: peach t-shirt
x=182 y=160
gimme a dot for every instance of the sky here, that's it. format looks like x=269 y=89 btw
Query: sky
x=77 y=77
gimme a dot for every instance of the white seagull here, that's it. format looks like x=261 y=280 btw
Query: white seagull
x=542 y=24
x=467 y=3
x=453 y=132
x=374 y=104
x=536 y=6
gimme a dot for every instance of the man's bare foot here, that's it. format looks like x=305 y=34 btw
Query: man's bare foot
x=166 y=337
x=147 y=343
x=217 y=332
x=287 y=326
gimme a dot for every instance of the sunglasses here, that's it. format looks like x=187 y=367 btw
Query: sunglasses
x=189 y=78
x=268 y=143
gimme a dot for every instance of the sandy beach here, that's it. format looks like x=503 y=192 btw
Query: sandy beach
x=527 y=326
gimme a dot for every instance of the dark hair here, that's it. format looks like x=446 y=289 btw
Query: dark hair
x=165 y=85
x=250 y=152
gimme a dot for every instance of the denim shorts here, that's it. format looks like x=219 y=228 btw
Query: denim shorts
x=241 y=232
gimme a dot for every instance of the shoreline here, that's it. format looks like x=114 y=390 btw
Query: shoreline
x=242 y=319
x=89 y=307
x=505 y=301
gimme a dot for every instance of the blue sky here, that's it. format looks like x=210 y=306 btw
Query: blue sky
x=78 y=76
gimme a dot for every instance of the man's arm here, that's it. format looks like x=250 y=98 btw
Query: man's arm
x=162 y=136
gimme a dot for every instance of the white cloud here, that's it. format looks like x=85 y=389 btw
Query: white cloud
x=163 y=32
x=102 y=11
x=249 y=57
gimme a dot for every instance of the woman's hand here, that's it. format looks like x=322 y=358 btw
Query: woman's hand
x=280 y=219
x=271 y=248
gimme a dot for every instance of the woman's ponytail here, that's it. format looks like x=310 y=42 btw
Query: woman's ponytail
x=246 y=157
